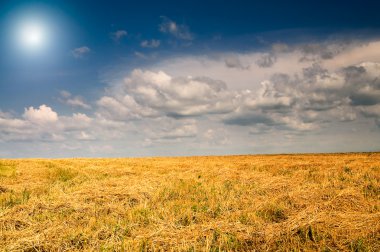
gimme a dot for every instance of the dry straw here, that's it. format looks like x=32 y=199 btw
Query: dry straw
x=231 y=203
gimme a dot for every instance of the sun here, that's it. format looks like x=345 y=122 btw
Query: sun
x=32 y=36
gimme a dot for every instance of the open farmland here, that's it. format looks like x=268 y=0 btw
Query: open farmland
x=313 y=202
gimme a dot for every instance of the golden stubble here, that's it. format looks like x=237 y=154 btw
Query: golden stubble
x=312 y=202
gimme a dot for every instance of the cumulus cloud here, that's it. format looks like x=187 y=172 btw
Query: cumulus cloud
x=118 y=35
x=266 y=60
x=171 y=129
x=123 y=107
x=73 y=101
x=353 y=54
x=84 y=136
x=13 y=128
x=371 y=111
x=179 y=31
x=301 y=101
x=44 y=124
x=313 y=50
x=151 y=94
x=233 y=61
x=76 y=122
x=187 y=130
x=80 y=52
x=268 y=97
x=217 y=136
x=42 y=115
x=150 y=43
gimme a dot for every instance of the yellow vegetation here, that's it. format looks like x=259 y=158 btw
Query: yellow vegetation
x=316 y=202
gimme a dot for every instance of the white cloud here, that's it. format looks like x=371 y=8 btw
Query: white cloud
x=371 y=111
x=123 y=108
x=76 y=122
x=43 y=115
x=78 y=102
x=150 y=94
x=13 y=129
x=218 y=136
x=174 y=129
x=354 y=54
x=179 y=31
x=170 y=131
x=65 y=94
x=308 y=95
x=266 y=60
x=44 y=124
x=141 y=55
x=233 y=61
x=118 y=35
x=74 y=101
x=85 y=136
x=80 y=52
x=150 y=43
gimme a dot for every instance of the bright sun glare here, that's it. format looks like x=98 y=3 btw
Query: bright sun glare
x=32 y=36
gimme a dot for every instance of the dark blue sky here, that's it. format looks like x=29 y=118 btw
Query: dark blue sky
x=90 y=22
x=91 y=46
x=205 y=17
x=235 y=24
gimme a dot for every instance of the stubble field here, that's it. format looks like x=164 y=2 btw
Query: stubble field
x=314 y=202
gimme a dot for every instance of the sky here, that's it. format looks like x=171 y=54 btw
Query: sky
x=181 y=78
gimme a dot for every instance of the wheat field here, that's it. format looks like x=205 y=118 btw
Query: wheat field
x=309 y=202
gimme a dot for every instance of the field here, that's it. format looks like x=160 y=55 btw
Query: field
x=311 y=202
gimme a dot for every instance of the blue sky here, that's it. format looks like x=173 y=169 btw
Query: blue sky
x=117 y=78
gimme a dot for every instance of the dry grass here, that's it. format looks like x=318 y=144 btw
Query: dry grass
x=233 y=203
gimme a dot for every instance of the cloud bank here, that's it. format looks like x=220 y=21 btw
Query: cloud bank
x=307 y=97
